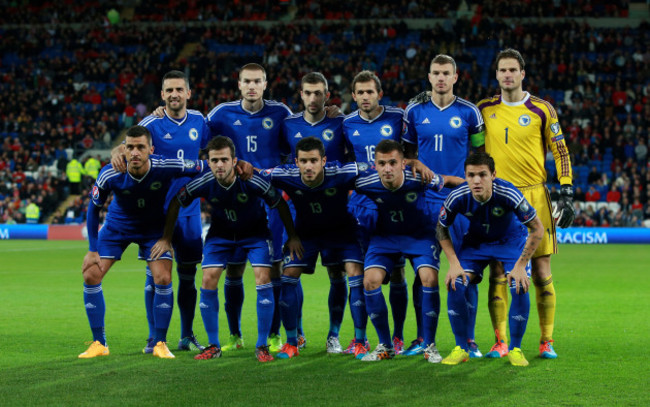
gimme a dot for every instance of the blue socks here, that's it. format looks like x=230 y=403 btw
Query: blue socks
x=471 y=297
x=95 y=310
x=301 y=298
x=209 y=307
x=186 y=299
x=336 y=303
x=265 y=310
x=163 y=305
x=277 y=318
x=518 y=316
x=358 y=308
x=398 y=298
x=289 y=308
x=458 y=312
x=430 y=312
x=233 y=290
x=417 y=304
x=378 y=313
x=148 y=302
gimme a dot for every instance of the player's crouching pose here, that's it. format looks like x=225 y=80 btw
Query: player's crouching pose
x=405 y=227
x=136 y=215
x=239 y=222
x=497 y=213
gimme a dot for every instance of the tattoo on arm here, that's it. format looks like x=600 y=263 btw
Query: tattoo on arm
x=533 y=240
x=442 y=233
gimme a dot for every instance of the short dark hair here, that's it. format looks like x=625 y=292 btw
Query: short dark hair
x=388 y=146
x=366 y=76
x=219 y=143
x=314 y=78
x=177 y=75
x=139 y=131
x=511 y=53
x=309 y=144
x=252 y=67
x=442 y=59
x=480 y=158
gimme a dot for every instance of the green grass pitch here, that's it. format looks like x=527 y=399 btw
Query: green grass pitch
x=601 y=333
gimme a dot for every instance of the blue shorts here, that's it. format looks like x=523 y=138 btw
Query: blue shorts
x=333 y=251
x=385 y=251
x=458 y=229
x=219 y=251
x=475 y=258
x=277 y=237
x=111 y=244
x=187 y=241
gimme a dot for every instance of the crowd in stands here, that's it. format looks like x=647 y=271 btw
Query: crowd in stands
x=69 y=90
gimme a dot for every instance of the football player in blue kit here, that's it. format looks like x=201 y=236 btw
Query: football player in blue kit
x=135 y=215
x=405 y=227
x=178 y=132
x=319 y=194
x=238 y=223
x=442 y=130
x=254 y=125
x=503 y=226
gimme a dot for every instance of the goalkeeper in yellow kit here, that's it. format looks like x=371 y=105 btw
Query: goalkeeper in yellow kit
x=519 y=130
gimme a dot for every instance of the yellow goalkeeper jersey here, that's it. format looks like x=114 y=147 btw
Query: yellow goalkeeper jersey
x=518 y=136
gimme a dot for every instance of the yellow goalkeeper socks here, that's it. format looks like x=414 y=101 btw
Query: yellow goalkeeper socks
x=545 y=295
x=498 y=305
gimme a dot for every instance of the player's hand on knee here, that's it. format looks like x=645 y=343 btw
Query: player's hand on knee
x=564 y=213
x=452 y=276
x=91 y=260
x=519 y=276
x=161 y=247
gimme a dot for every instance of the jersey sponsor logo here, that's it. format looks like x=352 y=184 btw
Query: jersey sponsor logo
x=426 y=121
x=194 y=134
x=155 y=186
x=237 y=123
x=330 y=191
x=455 y=122
x=95 y=193
x=498 y=211
x=386 y=130
x=356 y=133
x=328 y=135
x=267 y=123
x=524 y=120
x=298 y=135
x=443 y=214
x=242 y=197
x=167 y=136
x=411 y=196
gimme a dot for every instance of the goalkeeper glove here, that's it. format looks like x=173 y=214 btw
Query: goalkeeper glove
x=564 y=212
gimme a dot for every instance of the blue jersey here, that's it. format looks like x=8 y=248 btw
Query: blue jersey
x=328 y=130
x=138 y=204
x=404 y=211
x=363 y=135
x=257 y=136
x=184 y=139
x=442 y=136
x=501 y=218
x=320 y=210
x=237 y=210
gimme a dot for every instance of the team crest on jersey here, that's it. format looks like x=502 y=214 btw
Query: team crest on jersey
x=267 y=123
x=555 y=128
x=155 y=185
x=194 y=134
x=498 y=211
x=455 y=122
x=330 y=191
x=386 y=130
x=328 y=135
x=524 y=120
x=95 y=192
x=411 y=196
x=243 y=198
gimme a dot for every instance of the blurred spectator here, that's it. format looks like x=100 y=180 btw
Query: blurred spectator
x=592 y=195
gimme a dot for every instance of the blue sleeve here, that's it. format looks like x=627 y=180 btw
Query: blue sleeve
x=525 y=211
x=409 y=135
x=205 y=132
x=92 y=224
x=447 y=214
